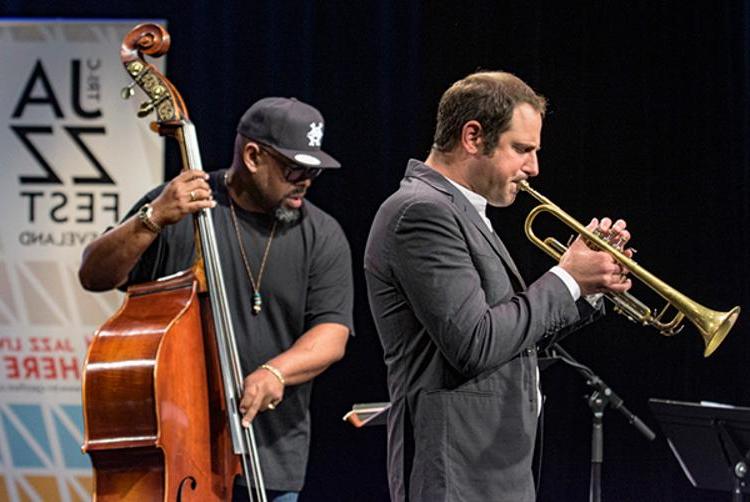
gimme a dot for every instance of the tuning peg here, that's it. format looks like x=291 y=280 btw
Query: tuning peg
x=127 y=92
x=145 y=108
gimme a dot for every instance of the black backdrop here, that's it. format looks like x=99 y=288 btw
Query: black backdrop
x=648 y=120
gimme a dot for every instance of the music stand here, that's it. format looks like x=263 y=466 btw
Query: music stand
x=711 y=441
x=363 y=414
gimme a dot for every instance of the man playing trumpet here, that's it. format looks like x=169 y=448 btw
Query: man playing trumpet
x=458 y=324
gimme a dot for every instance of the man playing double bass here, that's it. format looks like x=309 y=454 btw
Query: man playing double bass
x=286 y=264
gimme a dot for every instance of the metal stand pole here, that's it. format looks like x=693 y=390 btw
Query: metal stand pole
x=597 y=405
x=601 y=397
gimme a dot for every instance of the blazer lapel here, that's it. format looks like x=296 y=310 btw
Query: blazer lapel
x=437 y=181
x=508 y=260
x=494 y=240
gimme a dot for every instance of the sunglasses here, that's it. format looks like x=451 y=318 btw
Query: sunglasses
x=293 y=172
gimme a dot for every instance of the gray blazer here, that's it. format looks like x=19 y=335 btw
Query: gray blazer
x=459 y=329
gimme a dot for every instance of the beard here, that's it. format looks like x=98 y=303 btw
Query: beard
x=286 y=215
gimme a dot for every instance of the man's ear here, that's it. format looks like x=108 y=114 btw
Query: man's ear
x=472 y=137
x=250 y=154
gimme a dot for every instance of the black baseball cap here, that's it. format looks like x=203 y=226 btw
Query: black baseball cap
x=293 y=128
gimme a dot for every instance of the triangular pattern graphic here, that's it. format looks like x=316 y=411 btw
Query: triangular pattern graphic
x=22 y=492
x=87 y=482
x=47 y=273
x=45 y=487
x=75 y=413
x=4 y=320
x=6 y=296
x=21 y=454
x=41 y=314
x=31 y=418
x=73 y=493
x=4 y=494
x=93 y=308
x=71 y=448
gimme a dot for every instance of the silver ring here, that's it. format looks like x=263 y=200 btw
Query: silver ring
x=192 y=196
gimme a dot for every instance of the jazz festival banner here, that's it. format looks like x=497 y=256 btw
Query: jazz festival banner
x=73 y=158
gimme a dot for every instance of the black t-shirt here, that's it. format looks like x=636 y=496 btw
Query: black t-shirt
x=307 y=281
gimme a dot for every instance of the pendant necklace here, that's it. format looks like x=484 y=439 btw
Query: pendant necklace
x=257 y=299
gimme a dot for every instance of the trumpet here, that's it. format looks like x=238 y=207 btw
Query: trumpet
x=712 y=325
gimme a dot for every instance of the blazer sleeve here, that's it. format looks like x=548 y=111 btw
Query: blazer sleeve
x=433 y=265
x=586 y=315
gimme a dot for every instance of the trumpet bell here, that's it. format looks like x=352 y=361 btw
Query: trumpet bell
x=714 y=327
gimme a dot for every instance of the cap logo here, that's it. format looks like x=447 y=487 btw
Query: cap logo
x=315 y=134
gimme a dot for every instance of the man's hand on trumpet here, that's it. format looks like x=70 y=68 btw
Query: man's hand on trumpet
x=597 y=271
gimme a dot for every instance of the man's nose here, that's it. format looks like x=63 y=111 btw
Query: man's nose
x=531 y=168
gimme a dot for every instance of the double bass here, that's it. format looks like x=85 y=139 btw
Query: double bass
x=162 y=379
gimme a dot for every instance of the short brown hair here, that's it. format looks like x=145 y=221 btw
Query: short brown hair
x=487 y=97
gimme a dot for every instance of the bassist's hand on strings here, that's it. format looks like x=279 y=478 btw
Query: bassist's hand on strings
x=262 y=391
x=187 y=193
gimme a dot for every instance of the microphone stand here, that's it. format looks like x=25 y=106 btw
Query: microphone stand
x=601 y=397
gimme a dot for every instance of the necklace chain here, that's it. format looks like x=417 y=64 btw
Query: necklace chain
x=257 y=299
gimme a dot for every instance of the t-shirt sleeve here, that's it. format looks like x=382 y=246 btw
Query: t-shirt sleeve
x=330 y=291
x=161 y=259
